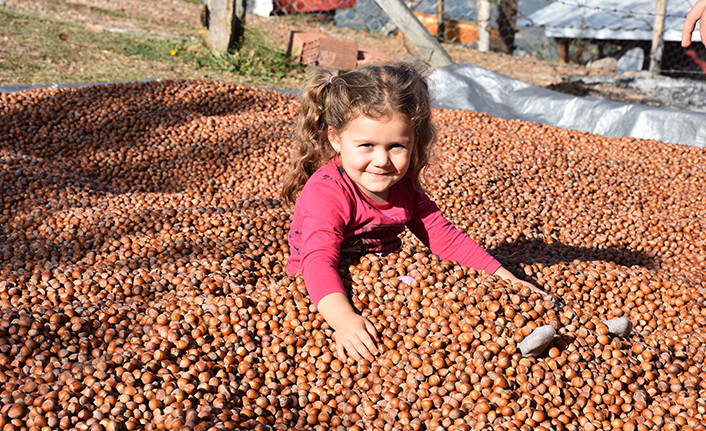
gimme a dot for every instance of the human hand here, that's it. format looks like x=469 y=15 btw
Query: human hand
x=507 y=275
x=546 y=295
x=353 y=333
x=357 y=337
x=698 y=12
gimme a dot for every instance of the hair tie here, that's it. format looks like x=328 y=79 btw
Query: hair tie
x=330 y=79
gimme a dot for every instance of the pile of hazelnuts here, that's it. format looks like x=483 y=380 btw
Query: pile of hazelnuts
x=143 y=248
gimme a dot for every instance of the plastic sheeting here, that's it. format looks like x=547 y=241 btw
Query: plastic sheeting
x=466 y=86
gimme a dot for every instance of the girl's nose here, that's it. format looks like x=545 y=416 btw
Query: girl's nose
x=381 y=158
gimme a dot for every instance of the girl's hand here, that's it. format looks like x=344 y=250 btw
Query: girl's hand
x=353 y=333
x=507 y=275
x=358 y=338
x=698 y=12
x=546 y=295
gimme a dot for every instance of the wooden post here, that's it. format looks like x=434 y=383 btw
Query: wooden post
x=507 y=25
x=440 y=19
x=484 y=14
x=390 y=27
x=563 y=48
x=226 y=21
x=657 y=36
x=405 y=20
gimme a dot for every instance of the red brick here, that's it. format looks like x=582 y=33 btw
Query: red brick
x=297 y=39
x=330 y=53
x=372 y=56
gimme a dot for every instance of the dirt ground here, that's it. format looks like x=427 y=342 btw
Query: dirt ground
x=399 y=47
x=182 y=18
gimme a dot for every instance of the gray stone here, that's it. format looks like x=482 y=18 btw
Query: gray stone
x=536 y=342
x=619 y=327
x=633 y=60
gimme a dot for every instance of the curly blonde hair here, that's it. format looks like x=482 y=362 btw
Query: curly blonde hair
x=373 y=91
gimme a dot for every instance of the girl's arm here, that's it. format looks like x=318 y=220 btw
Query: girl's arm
x=353 y=333
x=320 y=217
x=321 y=214
x=450 y=243
x=444 y=239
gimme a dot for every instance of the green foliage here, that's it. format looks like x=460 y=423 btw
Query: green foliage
x=38 y=49
x=255 y=57
x=612 y=48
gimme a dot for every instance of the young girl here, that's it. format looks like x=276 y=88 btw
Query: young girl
x=364 y=139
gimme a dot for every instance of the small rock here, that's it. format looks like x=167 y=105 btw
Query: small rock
x=536 y=342
x=619 y=327
x=632 y=61
x=609 y=63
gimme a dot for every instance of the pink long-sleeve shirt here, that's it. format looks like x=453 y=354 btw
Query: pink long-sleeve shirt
x=332 y=216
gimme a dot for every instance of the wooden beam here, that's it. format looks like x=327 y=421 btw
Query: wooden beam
x=563 y=50
x=657 y=36
x=484 y=15
x=440 y=19
x=415 y=31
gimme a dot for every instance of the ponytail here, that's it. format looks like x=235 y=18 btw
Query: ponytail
x=314 y=149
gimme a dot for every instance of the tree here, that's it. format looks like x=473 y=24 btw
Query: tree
x=225 y=20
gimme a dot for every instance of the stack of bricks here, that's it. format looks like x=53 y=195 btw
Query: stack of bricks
x=316 y=49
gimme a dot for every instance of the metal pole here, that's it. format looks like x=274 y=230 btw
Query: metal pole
x=657 y=36
x=484 y=14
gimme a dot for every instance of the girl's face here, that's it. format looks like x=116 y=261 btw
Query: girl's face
x=375 y=153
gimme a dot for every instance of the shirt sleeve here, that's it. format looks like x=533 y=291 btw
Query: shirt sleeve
x=325 y=211
x=444 y=239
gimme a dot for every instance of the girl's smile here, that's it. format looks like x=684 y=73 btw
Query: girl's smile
x=375 y=153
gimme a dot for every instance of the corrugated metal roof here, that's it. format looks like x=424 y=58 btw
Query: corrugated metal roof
x=610 y=19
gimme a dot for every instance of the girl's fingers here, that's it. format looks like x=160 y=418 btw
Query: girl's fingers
x=341 y=352
x=355 y=348
x=371 y=330
x=354 y=353
x=357 y=345
x=364 y=353
x=362 y=347
x=343 y=346
x=369 y=346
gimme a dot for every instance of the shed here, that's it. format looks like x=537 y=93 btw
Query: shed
x=627 y=20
